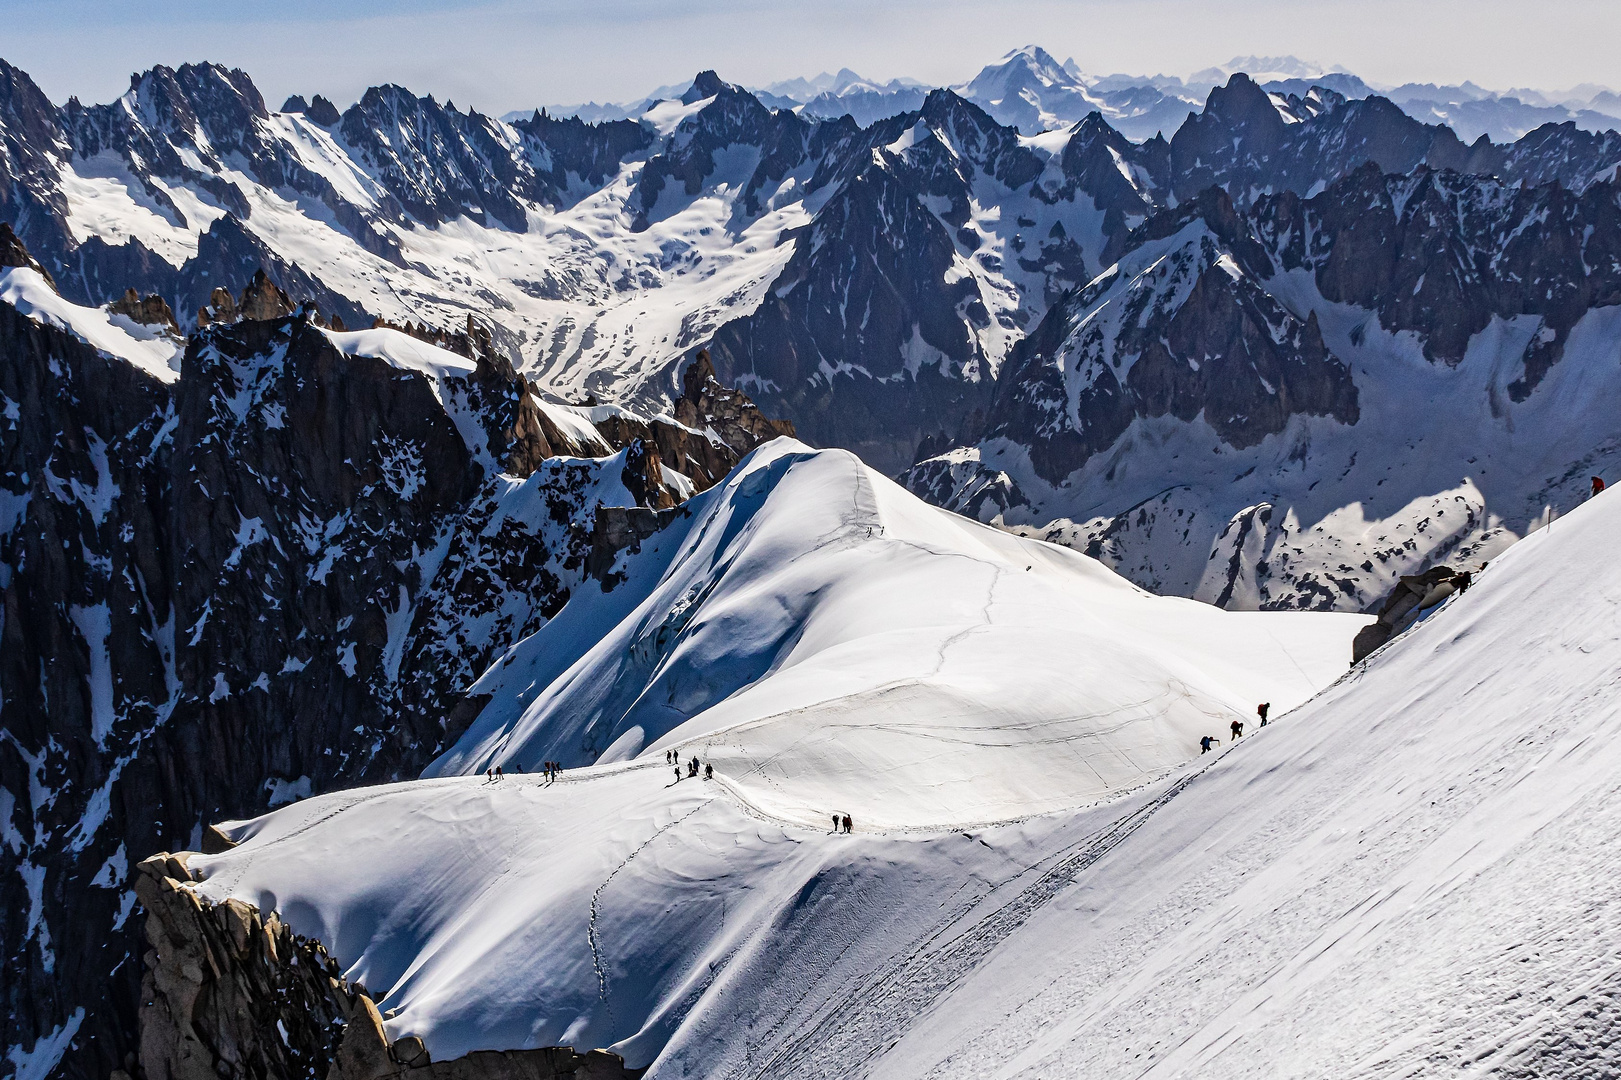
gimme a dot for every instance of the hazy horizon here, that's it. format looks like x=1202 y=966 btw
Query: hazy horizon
x=498 y=56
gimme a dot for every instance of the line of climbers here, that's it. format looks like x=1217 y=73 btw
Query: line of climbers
x=549 y=769
x=673 y=757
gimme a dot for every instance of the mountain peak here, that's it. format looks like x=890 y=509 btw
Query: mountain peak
x=706 y=85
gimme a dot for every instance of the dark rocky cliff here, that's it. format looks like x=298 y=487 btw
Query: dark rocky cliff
x=270 y=577
x=230 y=993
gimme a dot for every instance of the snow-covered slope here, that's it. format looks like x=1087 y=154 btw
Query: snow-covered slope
x=829 y=644
x=1408 y=874
x=810 y=623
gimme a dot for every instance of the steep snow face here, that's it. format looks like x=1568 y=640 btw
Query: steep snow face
x=810 y=623
x=1408 y=876
x=150 y=348
x=1412 y=868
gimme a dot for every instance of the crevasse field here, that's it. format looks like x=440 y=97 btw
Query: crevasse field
x=1402 y=875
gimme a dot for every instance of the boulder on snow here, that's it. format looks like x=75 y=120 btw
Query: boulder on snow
x=215 y=841
x=1413 y=594
x=151 y=311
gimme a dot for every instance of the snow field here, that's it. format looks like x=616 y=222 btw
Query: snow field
x=1411 y=875
x=830 y=642
x=831 y=645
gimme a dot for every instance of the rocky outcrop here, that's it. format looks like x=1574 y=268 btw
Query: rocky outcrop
x=150 y=311
x=622 y=528
x=13 y=253
x=706 y=404
x=712 y=428
x=230 y=993
x=1413 y=595
x=269 y=578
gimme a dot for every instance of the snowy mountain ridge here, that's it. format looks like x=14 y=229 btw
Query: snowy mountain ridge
x=1345 y=889
x=1054 y=95
x=872 y=284
x=1334 y=447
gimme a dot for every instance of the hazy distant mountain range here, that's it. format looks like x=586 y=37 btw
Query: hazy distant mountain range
x=1029 y=89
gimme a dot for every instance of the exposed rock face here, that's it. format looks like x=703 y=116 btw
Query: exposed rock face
x=1441 y=254
x=1413 y=595
x=230 y=993
x=12 y=253
x=272 y=577
x=151 y=311
x=1182 y=327
x=705 y=403
x=713 y=427
x=1189 y=322
x=194 y=565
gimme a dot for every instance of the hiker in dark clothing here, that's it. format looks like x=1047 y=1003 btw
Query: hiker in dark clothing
x=847 y=825
x=1262 y=709
x=709 y=772
x=1204 y=744
x=678 y=774
x=835 y=823
x=498 y=772
x=1462 y=580
x=1238 y=728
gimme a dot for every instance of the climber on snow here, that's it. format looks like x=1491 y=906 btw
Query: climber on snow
x=1238 y=728
x=1598 y=485
x=1204 y=744
x=1262 y=709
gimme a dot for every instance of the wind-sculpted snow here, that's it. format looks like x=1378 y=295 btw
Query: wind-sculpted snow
x=152 y=349
x=1409 y=871
x=827 y=643
x=808 y=620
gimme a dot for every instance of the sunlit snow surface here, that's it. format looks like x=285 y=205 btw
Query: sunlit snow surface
x=826 y=639
x=829 y=644
x=1410 y=875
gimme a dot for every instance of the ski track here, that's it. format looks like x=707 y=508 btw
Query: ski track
x=860 y=1027
x=591 y=925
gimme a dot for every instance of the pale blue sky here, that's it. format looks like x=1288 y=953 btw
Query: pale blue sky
x=498 y=55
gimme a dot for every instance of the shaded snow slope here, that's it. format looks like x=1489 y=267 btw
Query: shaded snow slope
x=1409 y=875
x=828 y=640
